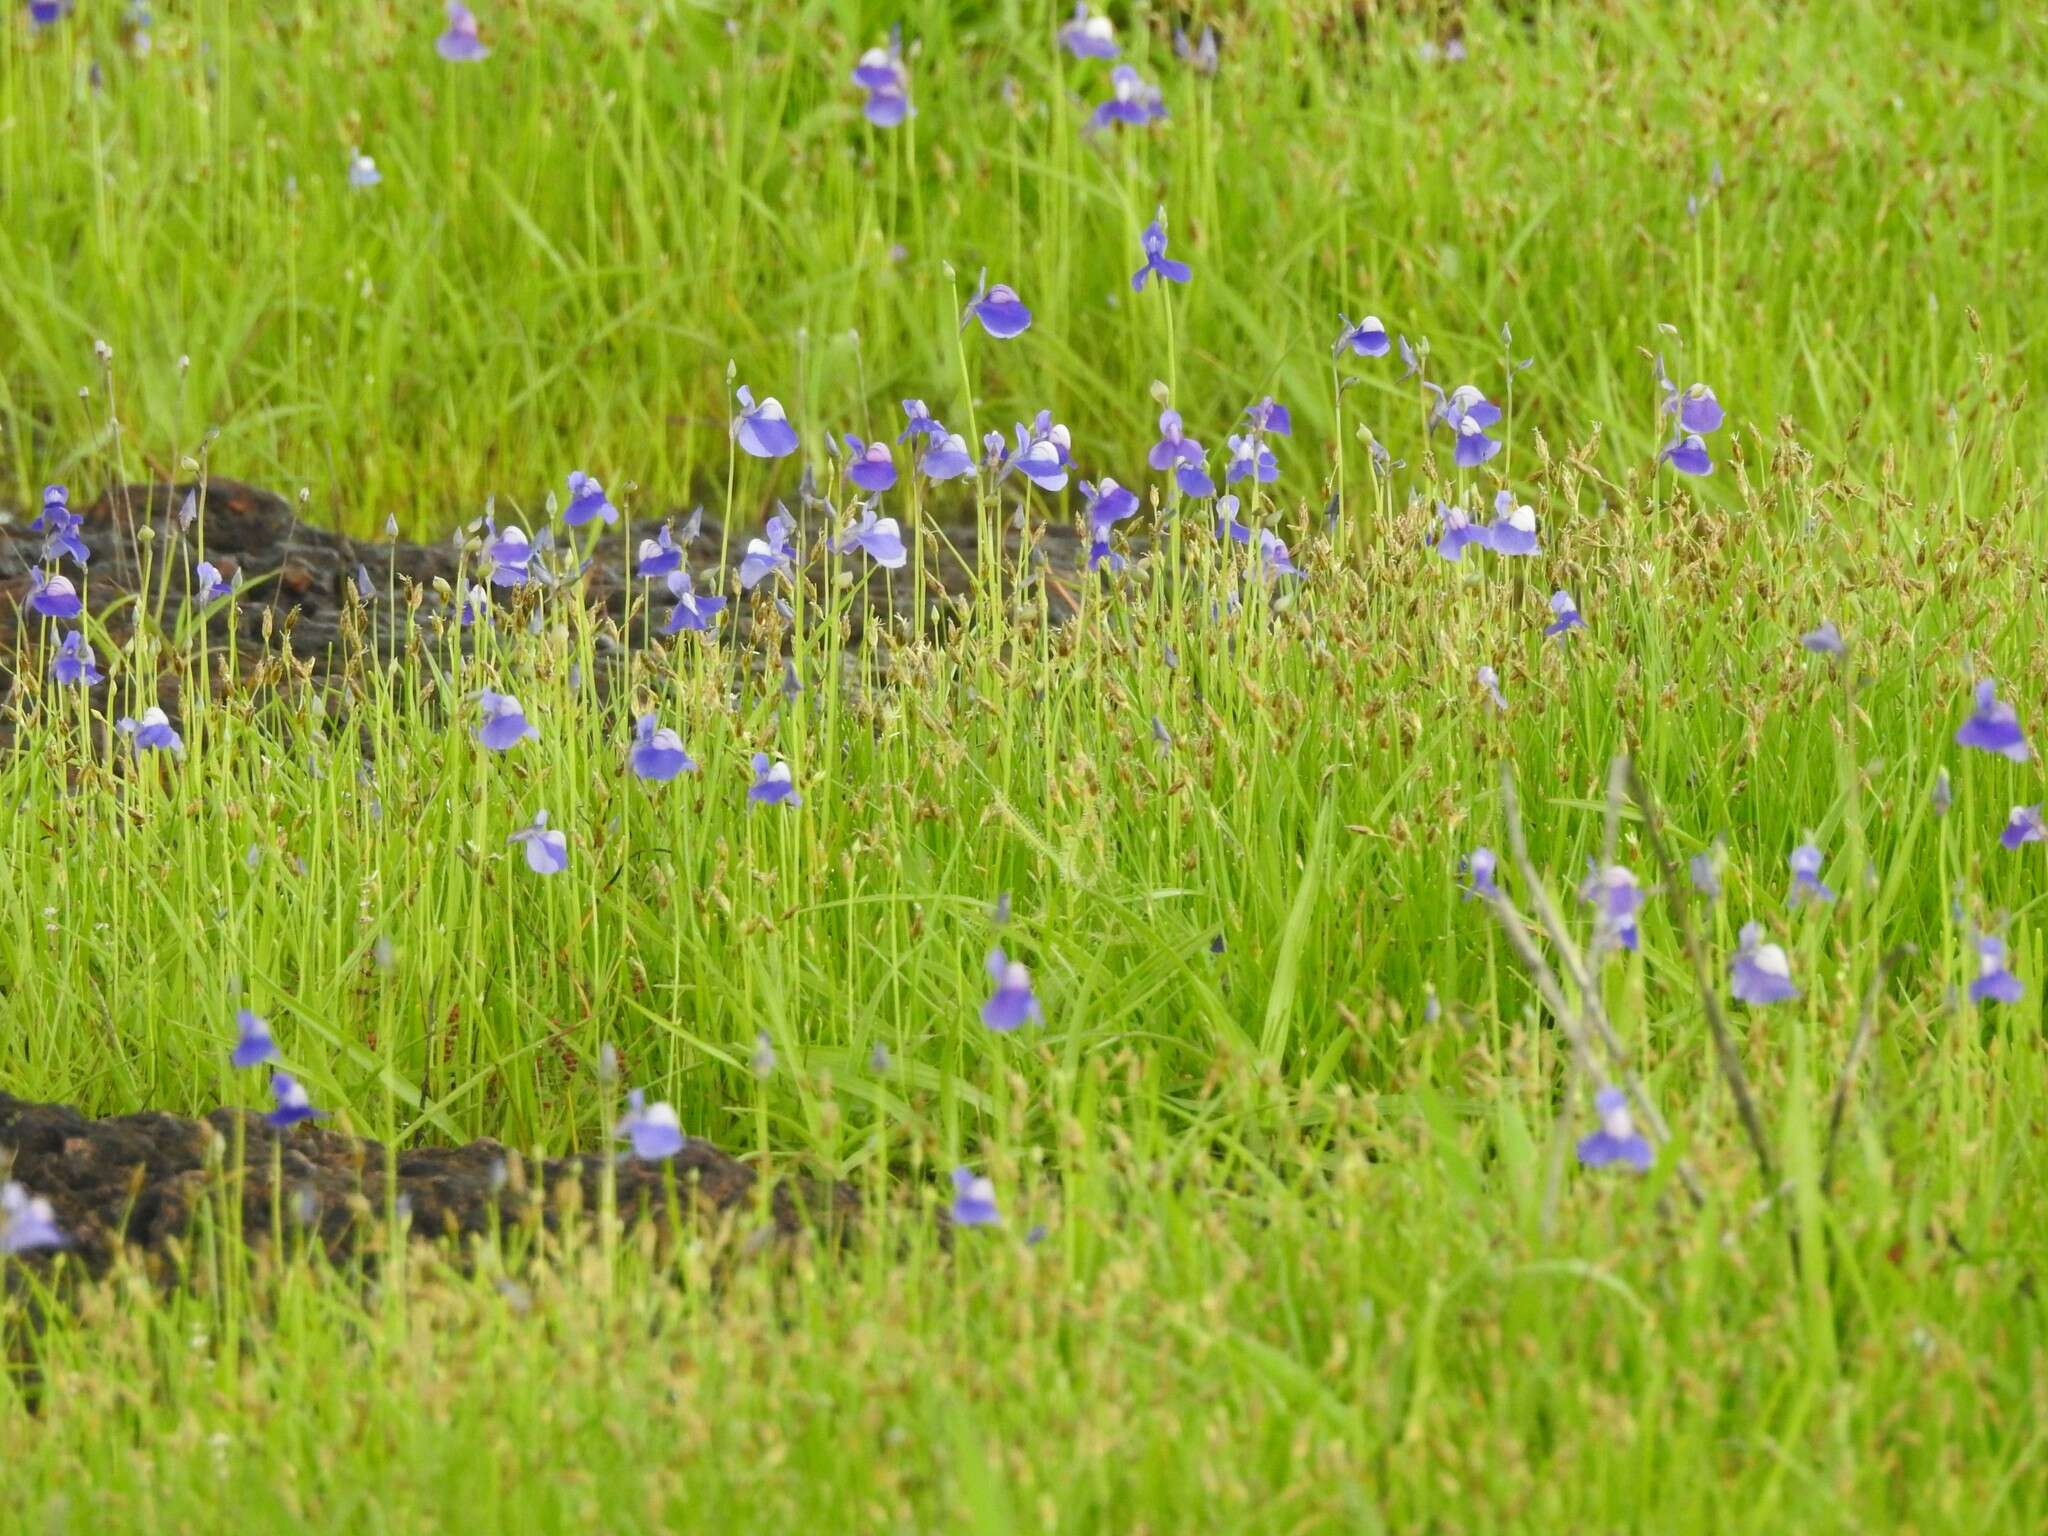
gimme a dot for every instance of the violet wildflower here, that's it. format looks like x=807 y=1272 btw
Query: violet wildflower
x=1227 y=524
x=1153 y=242
x=1043 y=456
x=60 y=526
x=1993 y=983
x=1704 y=869
x=27 y=1222
x=1943 y=795
x=254 y=1046
x=1013 y=1002
x=769 y=555
x=1994 y=726
x=921 y=423
x=1617 y=1143
x=659 y=556
x=651 y=1130
x=1457 y=533
x=477 y=605
x=762 y=430
x=1108 y=504
x=657 y=752
x=292 y=1103
x=1368 y=338
x=1513 y=530
x=365 y=588
x=2023 y=826
x=1200 y=55
x=46 y=13
x=1273 y=557
x=772 y=783
x=53 y=596
x=206 y=575
x=1695 y=407
x=1174 y=445
x=872 y=467
x=947 y=458
x=974 y=1201
x=152 y=732
x=881 y=74
x=587 y=502
x=1100 y=552
x=1088 y=36
x=1565 y=615
x=1477 y=869
x=1249 y=456
x=763 y=1061
x=1270 y=418
x=1468 y=413
x=507 y=554
x=1688 y=455
x=1761 y=974
x=1807 y=884
x=505 y=724
x=880 y=538
x=1001 y=313
x=1490 y=681
x=462 y=43
x=1617 y=900
x=74 y=662
x=547 y=850
x=1825 y=640
x=1132 y=101
x=362 y=171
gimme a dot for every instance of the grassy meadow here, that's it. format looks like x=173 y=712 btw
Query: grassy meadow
x=1296 y=1229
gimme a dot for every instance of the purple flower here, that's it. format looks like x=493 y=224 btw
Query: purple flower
x=27 y=1222
x=1687 y=453
x=1513 y=530
x=74 y=661
x=762 y=430
x=292 y=1104
x=1566 y=615
x=657 y=752
x=1761 y=973
x=1994 y=983
x=2023 y=826
x=1270 y=418
x=1824 y=641
x=921 y=423
x=770 y=555
x=1200 y=55
x=1458 y=532
x=1490 y=681
x=211 y=583
x=1704 y=869
x=1174 y=445
x=151 y=733
x=1250 y=456
x=477 y=605
x=1617 y=899
x=772 y=783
x=1108 y=504
x=881 y=74
x=1100 y=553
x=507 y=554
x=1012 y=1002
x=461 y=43
x=1616 y=1143
x=660 y=555
x=1368 y=338
x=1132 y=101
x=1942 y=796
x=1806 y=882
x=1695 y=407
x=947 y=458
x=974 y=1201
x=1193 y=477
x=873 y=467
x=1227 y=525
x=547 y=851
x=1043 y=454
x=253 y=1045
x=53 y=596
x=362 y=171
x=652 y=1130
x=587 y=502
x=1088 y=36
x=505 y=723
x=1994 y=726
x=1476 y=869
x=1156 y=260
x=1468 y=413
x=879 y=537
x=1001 y=313
x=1273 y=557
x=59 y=526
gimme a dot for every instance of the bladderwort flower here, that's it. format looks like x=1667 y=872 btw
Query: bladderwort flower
x=879 y=538
x=74 y=664
x=1687 y=453
x=1153 y=243
x=505 y=724
x=652 y=1131
x=1269 y=418
x=659 y=556
x=1458 y=532
x=1108 y=504
x=362 y=171
x=1250 y=457
x=763 y=1060
x=587 y=502
x=1001 y=313
x=1368 y=338
x=53 y=596
x=152 y=732
x=947 y=458
x=475 y=605
x=2025 y=825
x=1695 y=407
x=1133 y=102
x=547 y=850
x=254 y=1046
x=881 y=74
x=1013 y=1003
x=1174 y=447
x=1490 y=681
x=1994 y=726
x=1566 y=617
x=763 y=430
x=462 y=43
x=657 y=752
x=1807 y=884
x=1993 y=983
x=60 y=526
x=1044 y=454
x=920 y=423
x=974 y=1201
x=1227 y=524
x=211 y=584
x=1201 y=55
x=1942 y=796
x=1825 y=640
x=508 y=554
x=1088 y=36
x=1273 y=557
x=28 y=1222
x=769 y=555
x=1617 y=1144
x=291 y=1103
x=772 y=783
x=1513 y=530
x=1761 y=973
x=1468 y=413
x=1476 y=872
x=872 y=466
x=1617 y=901
x=1101 y=552
x=1704 y=870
